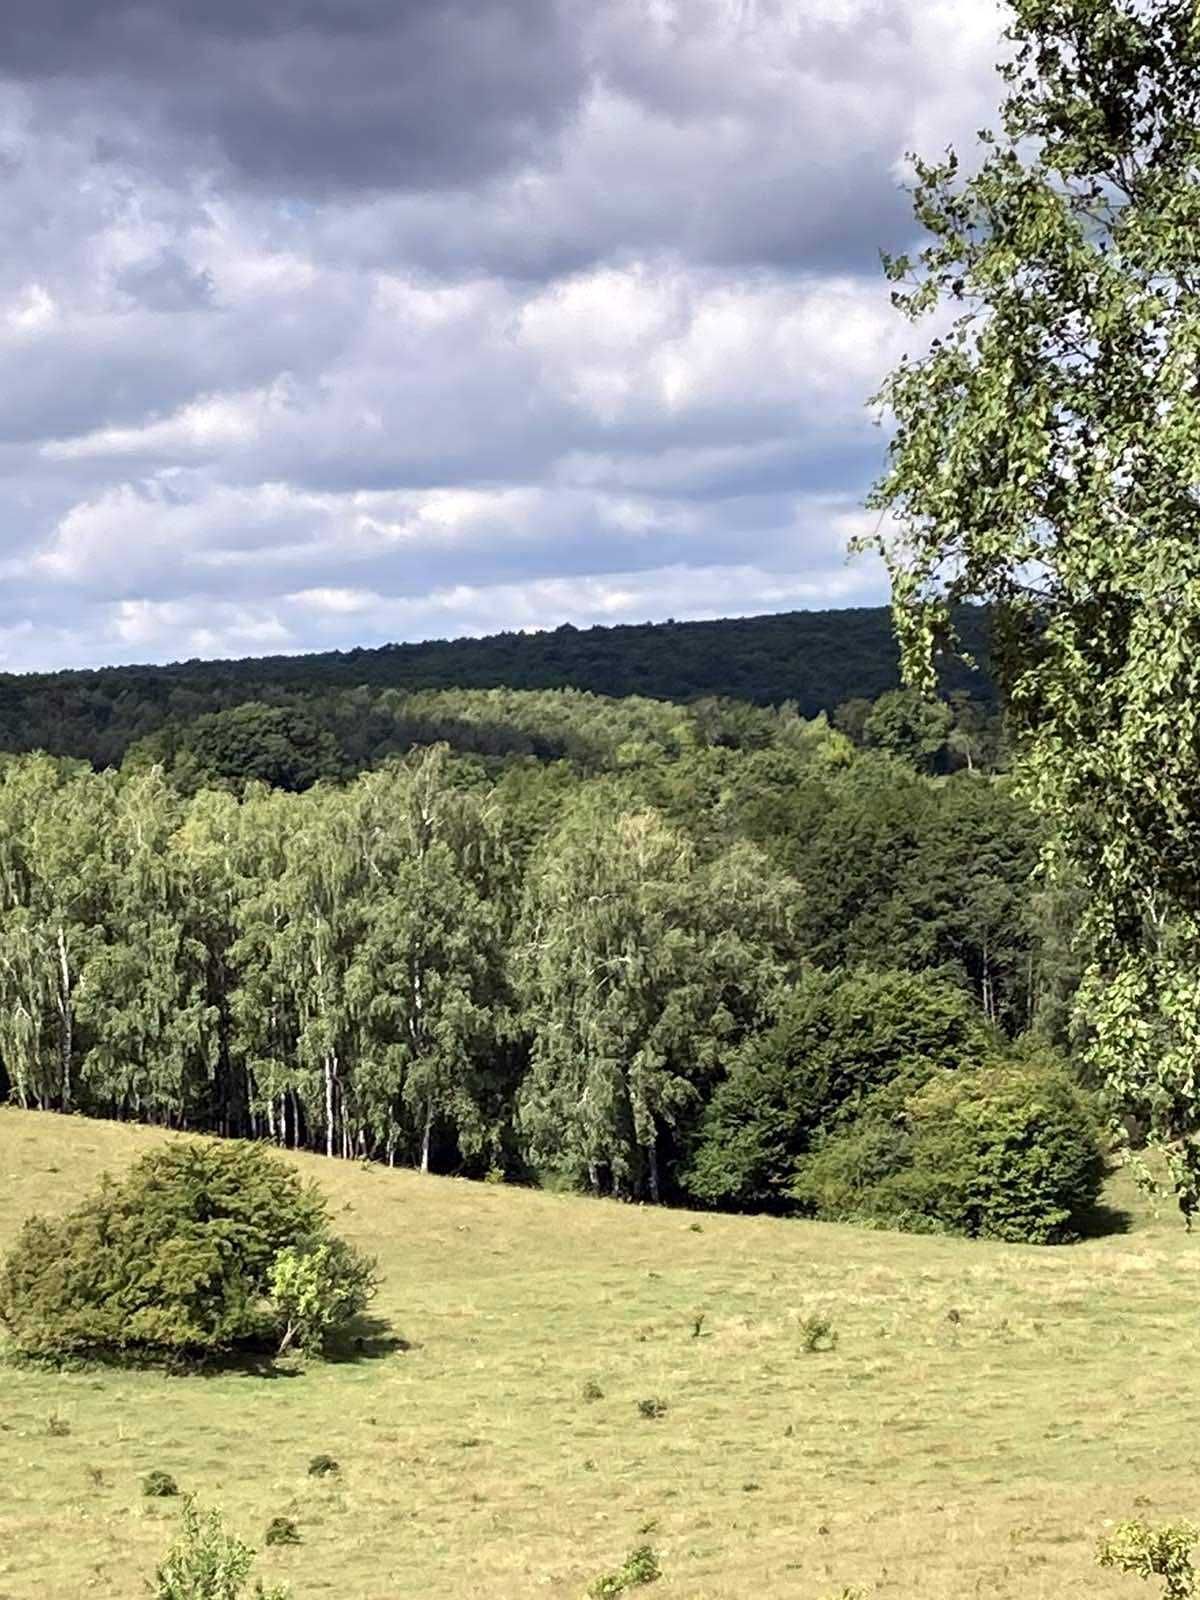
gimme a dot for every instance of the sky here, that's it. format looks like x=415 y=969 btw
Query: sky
x=332 y=322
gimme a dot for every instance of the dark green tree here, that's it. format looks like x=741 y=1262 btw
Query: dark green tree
x=836 y=1041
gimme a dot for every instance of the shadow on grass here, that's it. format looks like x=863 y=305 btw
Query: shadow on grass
x=1103 y=1222
x=367 y=1339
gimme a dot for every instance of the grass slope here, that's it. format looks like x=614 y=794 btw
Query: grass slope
x=923 y=1457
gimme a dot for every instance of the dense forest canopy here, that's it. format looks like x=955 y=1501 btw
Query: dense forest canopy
x=548 y=940
x=815 y=660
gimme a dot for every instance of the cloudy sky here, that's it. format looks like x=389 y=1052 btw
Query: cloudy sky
x=326 y=322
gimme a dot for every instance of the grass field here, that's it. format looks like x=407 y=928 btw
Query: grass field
x=928 y=1455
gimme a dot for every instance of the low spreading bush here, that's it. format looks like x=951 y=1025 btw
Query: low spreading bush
x=1009 y=1151
x=202 y=1248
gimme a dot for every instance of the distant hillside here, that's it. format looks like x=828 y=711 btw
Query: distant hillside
x=817 y=659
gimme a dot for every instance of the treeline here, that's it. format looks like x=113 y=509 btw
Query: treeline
x=533 y=967
x=296 y=743
x=815 y=660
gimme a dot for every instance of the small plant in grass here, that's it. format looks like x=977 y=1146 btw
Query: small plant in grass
x=159 y=1485
x=1162 y=1552
x=592 y=1390
x=322 y=1466
x=282 y=1530
x=817 y=1333
x=640 y=1566
x=652 y=1407
x=57 y=1426
x=206 y=1563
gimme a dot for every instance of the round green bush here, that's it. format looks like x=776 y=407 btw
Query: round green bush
x=175 y=1260
x=1009 y=1151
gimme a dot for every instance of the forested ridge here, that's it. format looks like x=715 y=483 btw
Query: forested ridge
x=657 y=950
x=813 y=659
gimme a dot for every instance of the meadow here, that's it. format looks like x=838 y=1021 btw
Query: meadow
x=985 y=1411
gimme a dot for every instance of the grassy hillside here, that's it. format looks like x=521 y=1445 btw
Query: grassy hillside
x=927 y=1455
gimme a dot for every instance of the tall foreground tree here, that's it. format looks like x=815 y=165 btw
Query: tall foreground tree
x=1046 y=460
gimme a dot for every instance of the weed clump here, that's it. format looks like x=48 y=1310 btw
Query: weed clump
x=159 y=1485
x=282 y=1530
x=817 y=1333
x=640 y=1566
x=652 y=1408
x=592 y=1390
x=322 y=1466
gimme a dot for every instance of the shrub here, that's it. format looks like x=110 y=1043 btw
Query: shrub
x=282 y=1530
x=1164 y=1552
x=652 y=1408
x=836 y=1041
x=1010 y=1151
x=322 y=1466
x=176 y=1260
x=206 y=1563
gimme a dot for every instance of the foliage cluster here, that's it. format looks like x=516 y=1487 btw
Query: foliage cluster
x=885 y=1096
x=1163 y=1551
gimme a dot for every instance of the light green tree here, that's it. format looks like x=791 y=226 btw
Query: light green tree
x=425 y=984
x=1046 y=461
x=142 y=993
x=53 y=816
x=637 y=966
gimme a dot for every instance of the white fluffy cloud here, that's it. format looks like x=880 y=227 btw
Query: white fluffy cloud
x=465 y=349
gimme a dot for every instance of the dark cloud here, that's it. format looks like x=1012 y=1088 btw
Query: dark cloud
x=319 y=97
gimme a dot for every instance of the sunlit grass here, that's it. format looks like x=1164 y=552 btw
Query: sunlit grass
x=985 y=1411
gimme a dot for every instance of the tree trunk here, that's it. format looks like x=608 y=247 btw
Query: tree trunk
x=654 y=1190
x=66 y=1030
x=329 y=1129
x=425 y=1136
